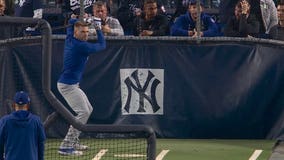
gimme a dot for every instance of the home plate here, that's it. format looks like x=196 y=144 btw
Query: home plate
x=129 y=155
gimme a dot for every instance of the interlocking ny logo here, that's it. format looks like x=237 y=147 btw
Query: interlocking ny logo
x=142 y=91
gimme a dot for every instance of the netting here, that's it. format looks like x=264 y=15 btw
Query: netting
x=103 y=146
x=21 y=70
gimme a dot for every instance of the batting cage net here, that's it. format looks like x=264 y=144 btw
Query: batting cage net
x=25 y=64
x=103 y=146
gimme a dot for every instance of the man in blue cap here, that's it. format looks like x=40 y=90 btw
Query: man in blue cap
x=21 y=132
x=185 y=25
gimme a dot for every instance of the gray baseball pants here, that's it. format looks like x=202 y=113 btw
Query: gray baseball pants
x=80 y=104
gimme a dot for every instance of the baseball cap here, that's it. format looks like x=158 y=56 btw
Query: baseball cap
x=21 y=98
x=192 y=2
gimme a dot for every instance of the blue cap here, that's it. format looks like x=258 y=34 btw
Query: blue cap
x=193 y=2
x=21 y=98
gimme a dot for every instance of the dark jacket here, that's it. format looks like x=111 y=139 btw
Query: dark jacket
x=126 y=13
x=159 y=25
x=226 y=10
x=126 y=16
x=242 y=27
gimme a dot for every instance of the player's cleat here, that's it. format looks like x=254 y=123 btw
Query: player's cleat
x=69 y=152
x=80 y=147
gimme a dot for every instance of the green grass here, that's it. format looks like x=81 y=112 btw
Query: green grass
x=187 y=149
x=179 y=149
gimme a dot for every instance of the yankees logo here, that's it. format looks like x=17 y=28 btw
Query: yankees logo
x=142 y=91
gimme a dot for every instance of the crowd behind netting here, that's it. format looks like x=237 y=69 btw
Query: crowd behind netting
x=230 y=18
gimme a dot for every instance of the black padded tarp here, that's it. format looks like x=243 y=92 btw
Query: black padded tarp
x=183 y=90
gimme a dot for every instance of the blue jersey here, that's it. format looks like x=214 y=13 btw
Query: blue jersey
x=25 y=8
x=76 y=53
x=22 y=135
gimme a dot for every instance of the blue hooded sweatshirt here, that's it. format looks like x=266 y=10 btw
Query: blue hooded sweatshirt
x=184 y=23
x=76 y=54
x=22 y=135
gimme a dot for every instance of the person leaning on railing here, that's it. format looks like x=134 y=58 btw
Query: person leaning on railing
x=264 y=10
x=277 y=32
x=185 y=25
x=242 y=24
x=266 y=13
x=110 y=25
x=151 y=22
x=129 y=9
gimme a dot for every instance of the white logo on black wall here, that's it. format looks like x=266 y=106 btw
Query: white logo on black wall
x=142 y=91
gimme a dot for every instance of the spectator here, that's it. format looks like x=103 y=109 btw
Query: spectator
x=110 y=25
x=277 y=32
x=181 y=8
x=151 y=23
x=264 y=10
x=243 y=24
x=185 y=25
x=268 y=15
x=129 y=10
x=21 y=132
